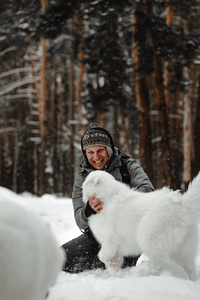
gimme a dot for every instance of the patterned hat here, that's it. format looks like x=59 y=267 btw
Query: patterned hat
x=95 y=136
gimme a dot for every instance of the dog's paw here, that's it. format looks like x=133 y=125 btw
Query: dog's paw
x=113 y=264
x=113 y=268
x=143 y=269
x=146 y=269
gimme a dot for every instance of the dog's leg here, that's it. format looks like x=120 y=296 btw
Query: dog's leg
x=156 y=262
x=187 y=262
x=153 y=266
x=108 y=254
x=152 y=246
x=187 y=252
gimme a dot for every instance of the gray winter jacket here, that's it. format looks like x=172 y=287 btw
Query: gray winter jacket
x=138 y=180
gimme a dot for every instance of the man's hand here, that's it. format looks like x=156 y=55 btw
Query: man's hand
x=95 y=203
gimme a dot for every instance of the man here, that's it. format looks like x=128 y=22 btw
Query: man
x=99 y=154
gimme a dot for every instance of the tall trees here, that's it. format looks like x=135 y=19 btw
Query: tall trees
x=129 y=66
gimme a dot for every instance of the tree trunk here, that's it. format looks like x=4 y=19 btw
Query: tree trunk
x=197 y=132
x=143 y=102
x=79 y=87
x=175 y=127
x=116 y=131
x=164 y=177
x=71 y=114
x=33 y=122
x=64 y=137
x=168 y=64
x=43 y=96
x=42 y=115
x=187 y=139
x=124 y=131
x=187 y=124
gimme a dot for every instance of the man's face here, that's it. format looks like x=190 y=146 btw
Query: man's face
x=97 y=156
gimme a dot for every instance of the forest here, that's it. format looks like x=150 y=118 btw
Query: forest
x=132 y=66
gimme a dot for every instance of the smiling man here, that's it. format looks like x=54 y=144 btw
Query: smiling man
x=97 y=156
x=99 y=153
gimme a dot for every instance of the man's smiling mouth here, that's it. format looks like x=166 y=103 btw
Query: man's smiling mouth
x=98 y=162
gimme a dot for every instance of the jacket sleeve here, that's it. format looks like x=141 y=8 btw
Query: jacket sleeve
x=139 y=179
x=78 y=204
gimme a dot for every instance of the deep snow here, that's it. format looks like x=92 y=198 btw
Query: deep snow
x=127 y=284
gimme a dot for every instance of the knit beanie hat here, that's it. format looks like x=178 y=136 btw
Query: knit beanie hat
x=97 y=136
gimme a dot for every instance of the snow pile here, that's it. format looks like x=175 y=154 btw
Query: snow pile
x=30 y=256
x=127 y=284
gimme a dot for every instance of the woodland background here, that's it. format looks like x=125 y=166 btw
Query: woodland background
x=132 y=66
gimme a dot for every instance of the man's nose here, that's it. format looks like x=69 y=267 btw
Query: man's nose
x=96 y=155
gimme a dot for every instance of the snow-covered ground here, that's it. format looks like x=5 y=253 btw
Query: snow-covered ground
x=127 y=284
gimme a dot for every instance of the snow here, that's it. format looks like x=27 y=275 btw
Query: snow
x=30 y=255
x=98 y=284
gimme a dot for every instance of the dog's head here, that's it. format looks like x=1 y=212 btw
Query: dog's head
x=98 y=183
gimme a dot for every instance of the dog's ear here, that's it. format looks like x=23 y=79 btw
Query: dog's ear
x=96 y=181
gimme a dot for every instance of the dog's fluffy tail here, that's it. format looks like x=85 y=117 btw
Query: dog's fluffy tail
x=191 y=200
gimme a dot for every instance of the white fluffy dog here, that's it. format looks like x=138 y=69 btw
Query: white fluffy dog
x=162 y=224
x=30 y=256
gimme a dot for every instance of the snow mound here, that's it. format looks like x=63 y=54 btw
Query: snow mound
x=30 y=256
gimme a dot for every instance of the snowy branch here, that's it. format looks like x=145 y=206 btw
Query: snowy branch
x=17 y=70
x=7 y=50
x=7 y=129
x=17 y=84
x=19 y=96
